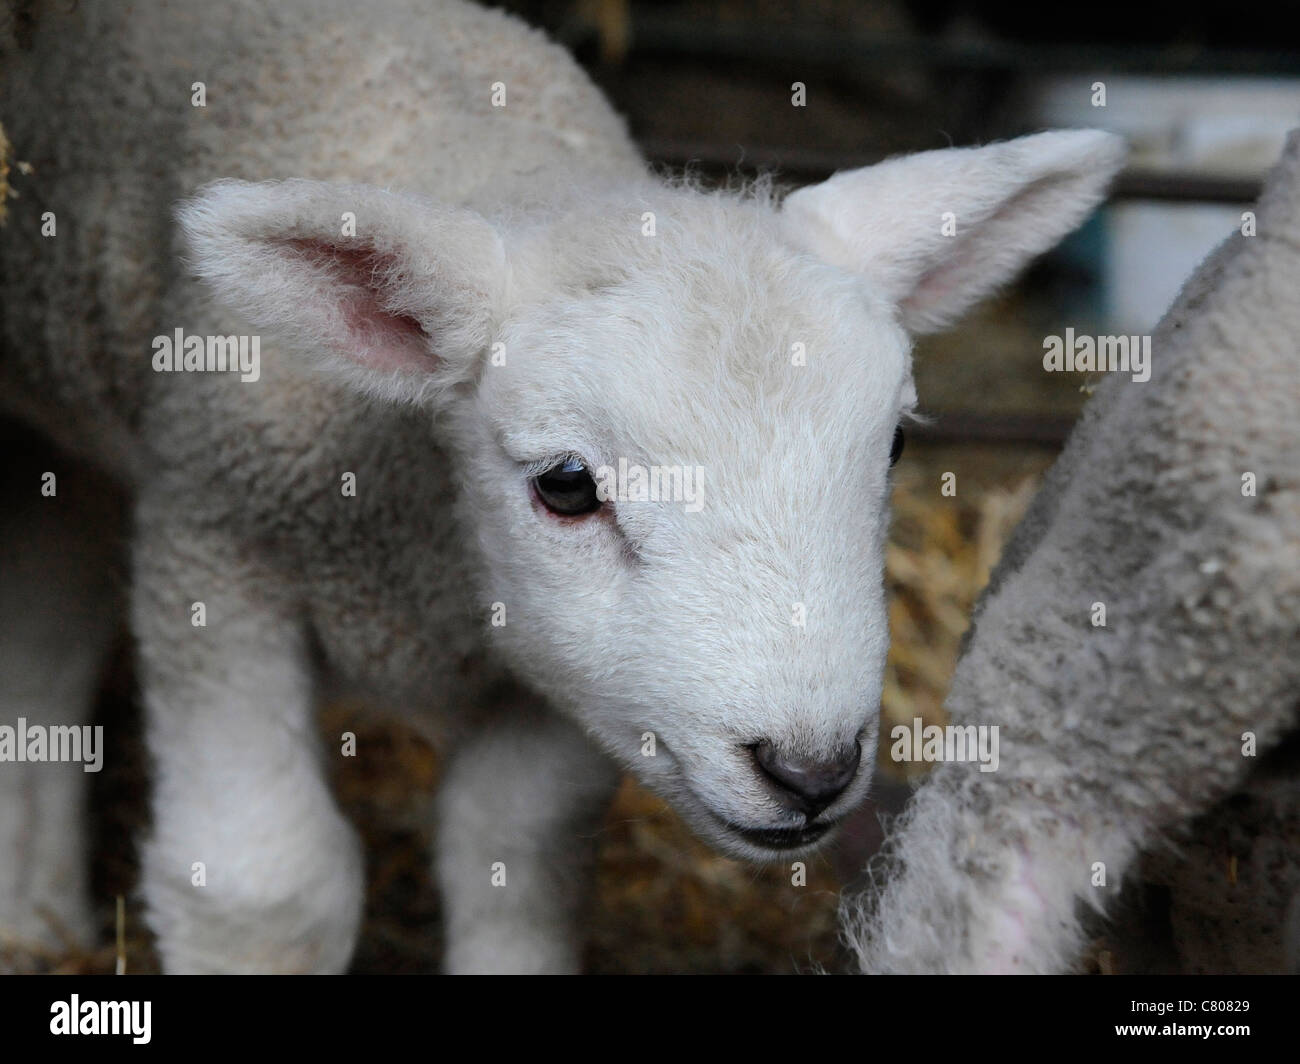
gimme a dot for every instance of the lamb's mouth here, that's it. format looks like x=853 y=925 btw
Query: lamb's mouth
x=781 y=839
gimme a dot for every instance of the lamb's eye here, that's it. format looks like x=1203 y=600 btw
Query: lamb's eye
x=567 y=489
x=896 y=449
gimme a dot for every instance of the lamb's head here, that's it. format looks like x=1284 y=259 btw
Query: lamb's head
x=674 y=414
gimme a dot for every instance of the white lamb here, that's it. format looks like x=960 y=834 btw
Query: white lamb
x=1176 y=506
x=475 y=298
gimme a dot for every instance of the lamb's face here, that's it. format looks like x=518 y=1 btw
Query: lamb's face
x=724 y=637
x=725 y=641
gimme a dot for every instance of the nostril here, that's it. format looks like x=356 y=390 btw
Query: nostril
x=808 y=785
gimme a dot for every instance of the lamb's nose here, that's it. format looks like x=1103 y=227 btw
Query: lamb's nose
x=808 y=785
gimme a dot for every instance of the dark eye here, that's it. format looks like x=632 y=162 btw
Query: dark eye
x=567 y=489
x=896 y=449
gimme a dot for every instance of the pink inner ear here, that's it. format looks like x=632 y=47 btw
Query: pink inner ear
x=373 y=334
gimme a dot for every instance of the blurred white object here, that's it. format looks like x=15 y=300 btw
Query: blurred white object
x=1206 y=126
x=1152 y=249
x=1225 y=127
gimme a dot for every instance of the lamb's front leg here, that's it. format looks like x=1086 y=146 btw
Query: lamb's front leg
x=518 y=816
x=250 y=866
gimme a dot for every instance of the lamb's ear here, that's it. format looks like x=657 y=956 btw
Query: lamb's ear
x=941 y=230
x=395 y=293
